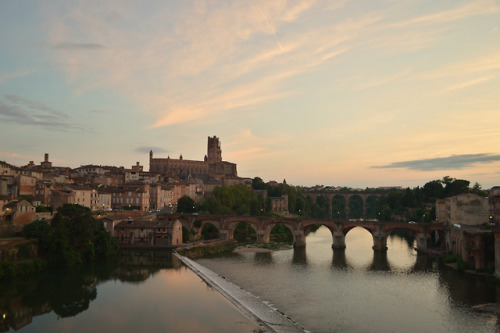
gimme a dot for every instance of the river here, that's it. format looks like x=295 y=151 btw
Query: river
x=143 y=291
x=353 y=290
x=360 y=290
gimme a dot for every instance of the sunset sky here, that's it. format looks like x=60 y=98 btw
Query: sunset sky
x=344 y=93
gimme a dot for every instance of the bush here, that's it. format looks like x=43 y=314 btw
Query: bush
x=7 y=270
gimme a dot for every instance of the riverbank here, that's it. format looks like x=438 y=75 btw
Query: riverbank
x=254 y=248
x=214 y=247
x=268 y=319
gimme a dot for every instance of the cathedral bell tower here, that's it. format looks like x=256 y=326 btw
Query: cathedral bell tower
x=214 y=153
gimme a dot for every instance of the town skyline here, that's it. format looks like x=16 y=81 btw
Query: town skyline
x=357 y=94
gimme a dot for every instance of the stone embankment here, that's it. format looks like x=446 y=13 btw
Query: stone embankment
x=269 y=319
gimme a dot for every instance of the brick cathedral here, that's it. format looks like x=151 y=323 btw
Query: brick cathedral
x=212 y=166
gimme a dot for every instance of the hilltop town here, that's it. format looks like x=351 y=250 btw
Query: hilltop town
x=107 y=188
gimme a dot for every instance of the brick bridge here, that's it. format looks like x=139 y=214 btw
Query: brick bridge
x=298 y=227
x=346 y=196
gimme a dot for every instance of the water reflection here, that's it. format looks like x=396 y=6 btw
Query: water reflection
x=398 y=290
x=132 y=289
x=299 y=257
x=339 y=260
x=263 y=258
x=380 y=262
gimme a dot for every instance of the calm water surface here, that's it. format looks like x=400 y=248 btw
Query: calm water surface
x=143 y=292
x=359 y=290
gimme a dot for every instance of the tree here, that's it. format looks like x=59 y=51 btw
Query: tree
x=433 y=190
x=258 y=184
x=39 y=230
x=185 y=204
x=456 y=187
x=73 y=236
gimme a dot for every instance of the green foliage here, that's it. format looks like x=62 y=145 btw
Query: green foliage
x=355 y=207
x=74 y=236
x=411 y=203
x=280 y=233
x=185 y=204
x=245 y=233
x=258 y=184
x=186 y=233
x=209 y=231
x=130 y=207
x=40 y=230
x=25 y=251
x=9 y=270
x=42 y=209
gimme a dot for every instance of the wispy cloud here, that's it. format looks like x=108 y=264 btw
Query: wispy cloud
x=463 y=85
x=473 y=8
x=78 y=46
x=453 y=162
x=147 y=149
x=481 y=63
x=199 y=68
x=6 y=77
x=21 y=111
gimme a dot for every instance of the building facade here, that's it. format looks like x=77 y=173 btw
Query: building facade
x=467 y=209
x=212 y=165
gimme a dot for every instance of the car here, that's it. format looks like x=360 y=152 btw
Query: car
x=412 y=222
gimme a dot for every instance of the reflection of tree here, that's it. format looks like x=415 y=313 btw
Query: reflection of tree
x=69 y=292
x=468 y=289
x=405 y=234
x=423 y=263
x=74 y=301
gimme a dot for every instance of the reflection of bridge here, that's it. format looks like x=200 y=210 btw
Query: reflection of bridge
x=379 y=262
x=298 y=227
x=347 y=197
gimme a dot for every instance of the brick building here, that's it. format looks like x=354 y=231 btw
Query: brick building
x=160 y=232
x=212 y=165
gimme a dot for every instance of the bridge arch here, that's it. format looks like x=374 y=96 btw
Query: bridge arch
x=355 y=207
x=208 y=231
x=269 y=228
x=232 y=226
x=339 y=205
x=330 y=196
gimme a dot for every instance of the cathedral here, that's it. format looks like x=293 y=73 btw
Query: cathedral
x=212 y=166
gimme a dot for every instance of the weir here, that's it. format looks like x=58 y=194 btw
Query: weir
x=269 y=319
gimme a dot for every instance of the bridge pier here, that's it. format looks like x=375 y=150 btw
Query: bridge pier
x=338 y=240
x=261 y=237
x=379 y=243
x=421 y=242
x=223 y=234
x=300 y=239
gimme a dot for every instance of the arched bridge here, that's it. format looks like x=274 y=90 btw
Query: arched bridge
x=380 y=231
x=346 y=197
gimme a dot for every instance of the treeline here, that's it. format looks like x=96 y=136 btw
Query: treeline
x=393 y=204
x=413 y=204
x=256 y=201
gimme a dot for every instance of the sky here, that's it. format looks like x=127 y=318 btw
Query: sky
x=336 y=92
